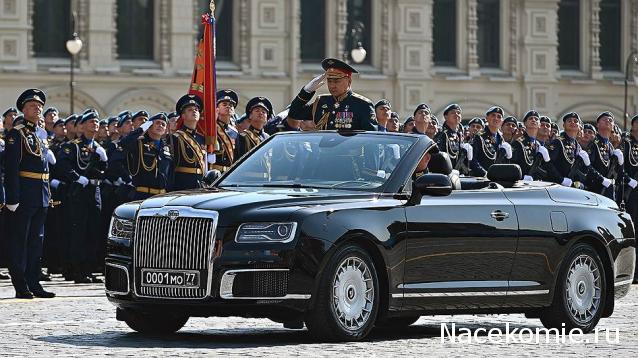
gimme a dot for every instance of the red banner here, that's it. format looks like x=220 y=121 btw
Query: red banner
x=204 y=81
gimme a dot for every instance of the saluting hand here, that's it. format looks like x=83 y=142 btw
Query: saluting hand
x=543 y=152
x=315 y=83
x=508 y=149
x=102 y=153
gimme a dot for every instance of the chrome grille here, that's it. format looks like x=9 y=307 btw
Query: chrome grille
x=182 y=243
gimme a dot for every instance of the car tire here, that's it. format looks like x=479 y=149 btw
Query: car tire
x=579 y=297
x=347 y=301
x=397 y=322
x=154 y=325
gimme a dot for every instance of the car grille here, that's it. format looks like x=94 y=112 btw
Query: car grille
x=183 y=243
x=261 y=284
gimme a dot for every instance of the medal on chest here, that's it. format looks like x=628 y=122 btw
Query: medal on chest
x=343 y=120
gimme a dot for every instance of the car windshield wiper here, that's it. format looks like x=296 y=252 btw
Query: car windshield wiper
x=290 y=185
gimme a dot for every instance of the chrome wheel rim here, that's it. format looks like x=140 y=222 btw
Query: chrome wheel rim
x=353 y=293
x=583 y=289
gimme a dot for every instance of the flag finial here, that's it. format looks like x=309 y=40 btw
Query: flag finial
x=212 y=6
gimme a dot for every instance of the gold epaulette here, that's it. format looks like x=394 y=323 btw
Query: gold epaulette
x=363 y=98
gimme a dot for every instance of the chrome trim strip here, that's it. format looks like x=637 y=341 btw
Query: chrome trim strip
x=228 y=278
x=467 y=284
x=468 y=294
x=128 y=280
x=622 y=283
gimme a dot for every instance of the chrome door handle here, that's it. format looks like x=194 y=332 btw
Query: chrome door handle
x=499 y=215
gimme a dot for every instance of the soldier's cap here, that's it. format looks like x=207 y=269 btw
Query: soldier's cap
x=104 y=123
x=17 y=120
x=420 y=107
x=50 y=110
x=59 y=122
x=161 y=116
x=635 y=118
x=408 y=120
x=71 y=118
x=590 y=127
x=189 y=100
x=495 y=109
x=510 y=119
x=394 y=115
x=434 y=120
x=87 y=117
x=545 y=119
x=10 y=110
x=555 y=126
x=242 y=118
x=451 y=107
x=336 y=69
x=29 y=95
x=259 y=102
x=173 y=115
x=531 y=113
x=605 y=114
x=520 y=125
x=383 y=102
x=476 y=120
x=91 y=110
x=123 y=117
x=139 y=114
x=569 y=115
x=227 y=95
x=112 y=120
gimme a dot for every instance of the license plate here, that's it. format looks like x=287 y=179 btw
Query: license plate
x=170 y=278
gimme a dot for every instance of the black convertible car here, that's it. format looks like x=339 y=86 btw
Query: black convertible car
x=344 y=231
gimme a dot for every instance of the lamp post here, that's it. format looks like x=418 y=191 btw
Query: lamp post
x=73 y=45
x=632 y=59
x=357 y=52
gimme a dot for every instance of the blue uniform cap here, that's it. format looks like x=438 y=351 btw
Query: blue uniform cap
x=635 y=118
x=29 y=95
x=10 y=110
x=228 y=95
x=123 y=117
x=545 y=119
x=189 y=100
x=242 y=118
x=420 y=107
x=383 y=102
x=259 y=102
x=495 y=109
x=111 y=120
x=17 y=120
x=605 y=114
x=476 y=120
x=571 y=115
x=59 y=122
x=49 y=110
x=71 y=118
x=452 y=107
x=88 y=116
x=173 y=115
x=159 y=117
x=139 y=114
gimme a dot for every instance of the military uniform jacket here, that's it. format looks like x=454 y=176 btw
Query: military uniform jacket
x=2 y=199
x=563 y=152
x=525 y=153
x=249 y=139
x=600 y=154
x=352 y=111
x=449 y=141
x=117 y=163
x=78 y=158
x=25 y=153
x=189 y=158
x=485 y=147
x=224 y=150
x=149 y=162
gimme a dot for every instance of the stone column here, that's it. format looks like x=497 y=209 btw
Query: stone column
x=99 y=40
x=342 y=27
x=595 y=68
x=472 y=38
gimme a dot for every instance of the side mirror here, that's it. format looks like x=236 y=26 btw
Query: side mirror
x=433 y=185
x=211 y=177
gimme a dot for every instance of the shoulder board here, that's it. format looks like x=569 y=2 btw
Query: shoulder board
x=481 y=132
x=243 y=134
x=363 y=98
x=75 y=141
x=18 y=127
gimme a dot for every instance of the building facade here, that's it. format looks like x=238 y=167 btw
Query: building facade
x=551 y=55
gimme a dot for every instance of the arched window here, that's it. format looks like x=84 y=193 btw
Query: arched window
x=569 y=34
x=51 y=27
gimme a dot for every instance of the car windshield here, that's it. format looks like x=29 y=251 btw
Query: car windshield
x=322 y=160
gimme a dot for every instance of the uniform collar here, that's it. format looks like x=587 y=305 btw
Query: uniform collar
x=602 y=139
x=256 y=131
x=86 y=140
x=29 y=125
x=344 y=96
x=222 y=124
x=446 y=128
x=416 y=131
x=530 y=138
x=192 y=132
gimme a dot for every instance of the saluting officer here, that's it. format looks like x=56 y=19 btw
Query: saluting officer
x=117 y=172
x=342 y=108
x=509 y=128
x=150 y=161
x=138 y=118
x=259 y=109
x=27 y=196
x=450 y=138
x=475 y=126
x=82 y=164
x=528 y=153
x=600 y=153
x=224 y=149
x=488 y=146
x=565 y=152
x=189 y=153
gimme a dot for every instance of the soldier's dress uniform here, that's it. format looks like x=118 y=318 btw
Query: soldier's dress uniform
x=485 y=146
x=630 y=150
x=449 y=141
x=252 y=137
x=351 y=111
x=26 y=184
x=150 y=161
x=78 y=158
x=525 y=154
x=563 y=154
x=224 y=148
x=117 y=172
x=600 y=155
x=189 y=152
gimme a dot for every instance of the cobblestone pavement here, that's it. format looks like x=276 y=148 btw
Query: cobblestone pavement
x=81 y=322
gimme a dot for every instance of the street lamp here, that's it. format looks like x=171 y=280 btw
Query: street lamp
x=632 y=59
x=74 y=46
x=358 y=53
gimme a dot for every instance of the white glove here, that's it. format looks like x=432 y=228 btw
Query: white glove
x=633 y=183
x=146 y=125
x=211 y=158
x=528 y=178
x=544 y=153
x=396 y=151
x=508 y=149
x=607 y=182
x=469 y=150
x=1 y=146
x=41 y=133
x=13 y=207
x=566 y=182
x=585 y=157
x=50 y=157
x=102 y=153
x=118 y=182
x=315 y=83
x=83 y=180
x=620 y=156
x=55 y=183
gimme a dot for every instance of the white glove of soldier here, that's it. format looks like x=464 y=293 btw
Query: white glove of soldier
x=508 y=149
x=544 y=152
x=528 y=178
x=55 y=183
x=211 y=158
x=607 y=182
x=50 y=157
x=102 y=153
x=566 y=182
x=315 y=83
x=146 y=125
x=620 y=156
x=84 y=181
x=13 y=207
x=585 y=157
x=633 y=183
x=469 y=150
x=118 y=182
x=1 y=146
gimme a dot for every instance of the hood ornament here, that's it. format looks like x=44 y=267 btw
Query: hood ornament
x=173 y=214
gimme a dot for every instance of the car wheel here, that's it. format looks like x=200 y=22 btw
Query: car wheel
x=396 y=322
x=347 y=299
x=580 y=292
x=154 y=325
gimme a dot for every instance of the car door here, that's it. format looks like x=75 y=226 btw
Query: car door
x=460 y=249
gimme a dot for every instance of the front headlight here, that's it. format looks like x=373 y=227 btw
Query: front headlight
x=266 y=232
x=121 y=228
